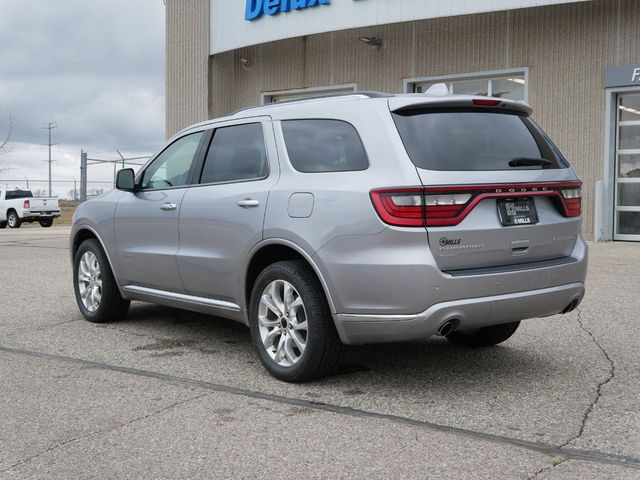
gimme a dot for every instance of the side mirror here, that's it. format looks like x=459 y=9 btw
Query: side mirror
x=125 y=180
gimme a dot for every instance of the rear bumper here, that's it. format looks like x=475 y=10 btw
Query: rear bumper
x=29 y=215
x=468 y=313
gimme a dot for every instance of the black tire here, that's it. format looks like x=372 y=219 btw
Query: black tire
x=13 y=220
x=323 y=345
x=112 y=306
x=3 y=225
x=46 y=222
x=484 y=337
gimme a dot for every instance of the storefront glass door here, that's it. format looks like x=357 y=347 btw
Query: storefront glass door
x=627 y=191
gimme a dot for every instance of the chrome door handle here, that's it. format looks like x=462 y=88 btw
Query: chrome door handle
x=168 y=206
x=249 y=203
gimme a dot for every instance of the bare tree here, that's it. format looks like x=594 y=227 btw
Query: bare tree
x=5 y=147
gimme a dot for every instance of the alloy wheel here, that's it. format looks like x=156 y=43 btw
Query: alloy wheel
x=90 y=281
x=282 y=321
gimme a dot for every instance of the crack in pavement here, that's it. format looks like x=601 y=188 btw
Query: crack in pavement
x=105 y=430
x=585 y=416
x=29 y=245
x=611 y=374
x=545 y=448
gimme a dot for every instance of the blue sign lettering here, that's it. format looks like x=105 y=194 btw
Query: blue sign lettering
x=256 y=8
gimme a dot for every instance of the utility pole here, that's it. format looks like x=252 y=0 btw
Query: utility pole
x=75 y=192
x=122 y=157
x=83 y=176
x=50 y=126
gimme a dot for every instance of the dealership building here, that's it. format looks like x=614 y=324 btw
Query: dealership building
x=576 y=62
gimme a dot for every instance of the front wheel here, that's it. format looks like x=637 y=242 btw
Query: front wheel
x=484 y=337
x=13 y=220
x=97 y=293
x=291 y=325
x=46 y=222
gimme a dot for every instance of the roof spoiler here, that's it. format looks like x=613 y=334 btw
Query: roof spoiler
x=410 y=102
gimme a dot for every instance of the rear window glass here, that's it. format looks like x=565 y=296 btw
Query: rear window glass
x=324 y=146
x=473 y=140
x=13 y=194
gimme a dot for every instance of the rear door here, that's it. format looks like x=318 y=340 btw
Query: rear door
x=497 y=191
x=222 y=217
x=146 y=221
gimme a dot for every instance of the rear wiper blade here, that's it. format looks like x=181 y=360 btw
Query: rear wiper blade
x=530 y=162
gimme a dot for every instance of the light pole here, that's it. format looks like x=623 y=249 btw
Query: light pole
x=26 y=180
x=50 y=126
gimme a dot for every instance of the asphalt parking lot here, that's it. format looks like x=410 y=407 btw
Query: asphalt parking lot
x=171 y=394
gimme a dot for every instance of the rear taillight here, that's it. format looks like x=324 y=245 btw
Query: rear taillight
x=403 y=207
x=448 y=206
x=572 y=201
x=26 y=204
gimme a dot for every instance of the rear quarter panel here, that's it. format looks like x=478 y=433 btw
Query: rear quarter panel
x=342 y=208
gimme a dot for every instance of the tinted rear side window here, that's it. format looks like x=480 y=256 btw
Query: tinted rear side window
x=324 y=146
x=472 y=140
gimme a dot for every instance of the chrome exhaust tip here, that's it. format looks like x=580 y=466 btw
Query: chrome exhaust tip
x=446 y=328
x=571 y=307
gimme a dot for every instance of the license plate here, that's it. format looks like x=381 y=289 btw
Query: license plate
x=517 y=211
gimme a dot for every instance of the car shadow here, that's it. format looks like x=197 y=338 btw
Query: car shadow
x=433 y=363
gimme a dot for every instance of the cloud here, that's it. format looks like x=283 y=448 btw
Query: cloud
x=96 y=68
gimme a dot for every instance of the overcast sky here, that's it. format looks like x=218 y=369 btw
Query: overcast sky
x=94 y=67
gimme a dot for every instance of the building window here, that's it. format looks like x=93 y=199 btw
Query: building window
x=509 y=84
x=284 y=95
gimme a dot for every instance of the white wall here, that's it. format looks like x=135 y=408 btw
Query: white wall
x=229 y=29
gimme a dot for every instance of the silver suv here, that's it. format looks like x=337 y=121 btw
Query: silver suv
x=345 y=220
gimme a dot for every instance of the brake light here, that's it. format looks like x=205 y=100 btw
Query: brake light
x=402 y=208
x=26 y=204
x=448 y=206
x=572 y=201
x=486 y=103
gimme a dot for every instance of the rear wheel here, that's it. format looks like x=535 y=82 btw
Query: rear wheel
x=13 y=220
x=46 y=222
x=484 y=337
x=291 y=325
x=97 y=293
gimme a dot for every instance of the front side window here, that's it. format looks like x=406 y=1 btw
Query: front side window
x=237 y=153
x=324 y=146
x=171 y=168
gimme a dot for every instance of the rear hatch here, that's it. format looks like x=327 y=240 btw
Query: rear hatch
x=496 y=191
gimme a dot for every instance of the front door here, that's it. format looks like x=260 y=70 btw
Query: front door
x=222 y=217
x=627 y=190
x=146 y=221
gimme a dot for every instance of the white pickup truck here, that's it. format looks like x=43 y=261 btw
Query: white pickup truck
x=19 y=206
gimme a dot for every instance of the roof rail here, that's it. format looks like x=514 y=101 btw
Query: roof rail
x=317 y=97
